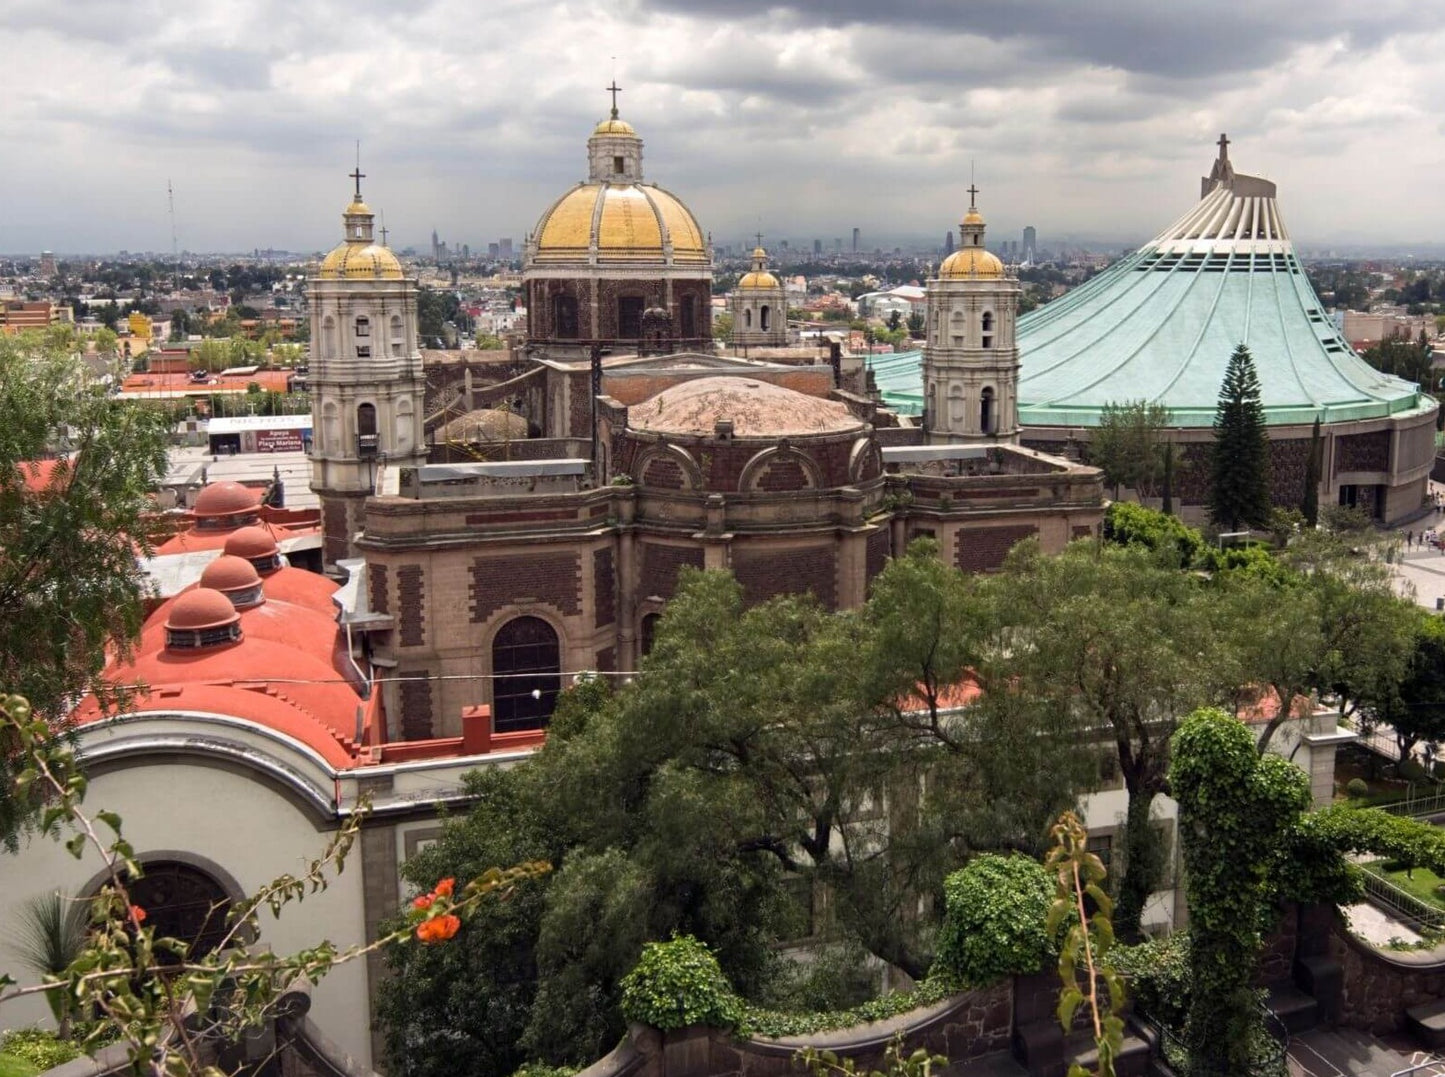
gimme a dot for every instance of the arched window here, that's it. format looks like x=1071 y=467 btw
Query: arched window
x=398 y=336
x=182 y=902
x=363 y=326
x=328 y=336
x=988 y=321
x=649 y=631
x=765 y=317
x=366 y=419
x=564 y=317
x=526 y=674
x=748 y=318
x=985 y=411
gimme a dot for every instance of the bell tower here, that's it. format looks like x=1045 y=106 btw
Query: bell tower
x=366 y=382
x=970 y=355
x=759 y=306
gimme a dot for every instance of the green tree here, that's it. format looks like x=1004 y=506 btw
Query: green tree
x=722 y=328
x=1125 y=642
x=1310 y=501
x=916 y=325
x=1239 y=490
x=1128 y=445
x=70 y=584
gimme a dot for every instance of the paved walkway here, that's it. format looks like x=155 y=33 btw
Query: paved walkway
x=1422 y=568
x=1345 y=1053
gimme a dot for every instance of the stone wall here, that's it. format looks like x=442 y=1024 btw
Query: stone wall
x=962 y=1027
x=1379 y=987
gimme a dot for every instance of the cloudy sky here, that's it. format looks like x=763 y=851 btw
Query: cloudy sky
x=1086 y=118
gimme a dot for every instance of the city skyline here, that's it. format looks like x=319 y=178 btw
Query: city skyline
x=799 y=123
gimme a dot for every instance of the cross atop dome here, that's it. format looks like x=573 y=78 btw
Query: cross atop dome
x=614 y=90
x=1223 y=147
x=972 y=195
x=358 y=175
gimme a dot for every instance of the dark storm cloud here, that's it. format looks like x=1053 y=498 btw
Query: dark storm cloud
x=1169 y=38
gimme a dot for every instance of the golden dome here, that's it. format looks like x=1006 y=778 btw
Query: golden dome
x=973 y=216
x=629 y=222
x=361 y=260
x=614 y=127
x=971 y=263
x=758 y=279
x=758 y=252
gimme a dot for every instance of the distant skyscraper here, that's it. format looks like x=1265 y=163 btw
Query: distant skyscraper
x=855 y=241
x=1031 y=244
x=466 y=251
x=837 y=244
x=47 y=264
x=785 y=244
x=507 y=248
x=436 y=247
x=817 y=246
x=494 y=251
x=948 y=242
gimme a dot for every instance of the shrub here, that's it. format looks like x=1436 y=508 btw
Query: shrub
x=1130 y=524
x=679 y=983
x=539 y=1069
x=1357 y=788
x=1158 y=976
x=1412 y=770
x=993 y=925
x=39 y=1047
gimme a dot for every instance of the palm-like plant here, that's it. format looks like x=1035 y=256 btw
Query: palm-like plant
x=48 y=935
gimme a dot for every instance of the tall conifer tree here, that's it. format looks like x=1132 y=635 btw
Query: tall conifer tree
x=1239 y=492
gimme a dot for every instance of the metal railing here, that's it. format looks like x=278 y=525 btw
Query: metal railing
x=1401 y=904
x=1177 y=1060
x=1417 y=805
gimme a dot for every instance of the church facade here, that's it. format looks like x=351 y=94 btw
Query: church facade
x=495 y=582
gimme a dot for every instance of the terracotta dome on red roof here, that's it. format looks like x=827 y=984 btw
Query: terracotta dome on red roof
x=226 y=499
x=231 y=574
x=201 y=608
x=251 y=542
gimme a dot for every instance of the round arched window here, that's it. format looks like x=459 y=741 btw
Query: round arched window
x=182 y=902
x=526 y=674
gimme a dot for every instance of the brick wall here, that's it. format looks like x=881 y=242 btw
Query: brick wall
x=411 y=605
x=878 y=549
x=1081 y=532
x=663 y=473
x=604 y=587
x=769 y=571
x=781 y=473
x=1363 y=452
x=376 y=587
x=554 y=578
x=335 y=528
x=416 y=705
x=660 y=565
x=982 y=549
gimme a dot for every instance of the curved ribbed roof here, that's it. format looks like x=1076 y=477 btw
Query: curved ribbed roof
x=1160 y=325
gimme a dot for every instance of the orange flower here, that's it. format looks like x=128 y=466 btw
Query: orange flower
x=422 y=902
x=444 y=888
x=137 y=914
x=438 y=928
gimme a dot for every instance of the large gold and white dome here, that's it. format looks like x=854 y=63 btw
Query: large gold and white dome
x=614 y=217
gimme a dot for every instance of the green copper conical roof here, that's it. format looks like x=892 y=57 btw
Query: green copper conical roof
x=1160 y=325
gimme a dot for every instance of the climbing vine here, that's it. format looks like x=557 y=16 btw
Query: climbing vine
x=1237 y=809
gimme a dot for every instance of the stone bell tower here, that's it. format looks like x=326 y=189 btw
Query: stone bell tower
x=366 y=383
